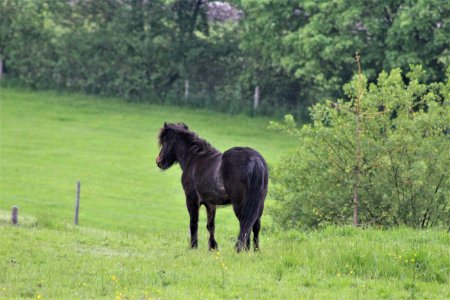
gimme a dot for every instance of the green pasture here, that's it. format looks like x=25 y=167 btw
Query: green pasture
x=49 y=141
x=132 y=242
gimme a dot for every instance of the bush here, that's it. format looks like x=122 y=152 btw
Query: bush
x=404 y=165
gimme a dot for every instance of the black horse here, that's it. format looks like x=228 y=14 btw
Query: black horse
x=238 y=177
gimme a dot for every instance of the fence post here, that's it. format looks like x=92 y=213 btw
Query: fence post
x=186 y=89
x=77 y=204
x=256 y=98
x=15 y=215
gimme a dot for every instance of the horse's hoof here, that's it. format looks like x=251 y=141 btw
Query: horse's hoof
x=213 y=245
x=241 y=247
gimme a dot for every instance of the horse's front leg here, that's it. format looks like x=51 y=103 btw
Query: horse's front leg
x=193 y=208
x=211 y=212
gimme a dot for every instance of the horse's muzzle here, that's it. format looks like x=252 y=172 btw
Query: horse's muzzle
x=158 y=161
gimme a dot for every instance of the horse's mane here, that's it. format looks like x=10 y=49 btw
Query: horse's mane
x=195 y=143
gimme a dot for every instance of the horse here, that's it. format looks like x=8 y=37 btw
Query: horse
x=238 y=176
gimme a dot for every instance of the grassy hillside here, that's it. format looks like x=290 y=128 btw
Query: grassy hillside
x=49 y=141
x=132 y=242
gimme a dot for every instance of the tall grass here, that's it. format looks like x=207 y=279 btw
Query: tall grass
x=337 y=263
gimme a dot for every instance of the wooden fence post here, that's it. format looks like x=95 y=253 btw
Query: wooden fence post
x=186 y=89
x=15 y=215
x=77 y=204
x=256 y=98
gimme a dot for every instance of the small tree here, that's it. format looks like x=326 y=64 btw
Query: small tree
x=404 y=163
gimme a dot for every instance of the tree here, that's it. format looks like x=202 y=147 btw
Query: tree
x=405 y=157
x=25 y=41
x=311 y=43
x=420 y=34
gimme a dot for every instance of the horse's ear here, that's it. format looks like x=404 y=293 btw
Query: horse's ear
x=184 y=126
x=165 y=124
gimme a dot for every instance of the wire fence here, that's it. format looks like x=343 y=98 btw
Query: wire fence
x=75 y=200
x=60 y=204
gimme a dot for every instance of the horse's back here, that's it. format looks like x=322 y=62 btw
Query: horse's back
x=239 y=163
x=239 y=157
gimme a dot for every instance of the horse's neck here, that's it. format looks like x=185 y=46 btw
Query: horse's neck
x=185 y=155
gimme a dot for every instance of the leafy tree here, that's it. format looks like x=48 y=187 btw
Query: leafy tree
x=311 y=43
x=263 y=28
x=420 y=34
x=405 y=157
x=25 y=41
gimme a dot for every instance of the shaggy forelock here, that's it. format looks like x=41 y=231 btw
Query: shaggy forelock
x=169 y=130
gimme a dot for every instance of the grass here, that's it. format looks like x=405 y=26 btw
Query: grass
x=338 y=263
x=133 y=238
x=49 y=141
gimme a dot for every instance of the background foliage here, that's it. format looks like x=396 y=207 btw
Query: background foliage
x=297 y=52
x=405 y=157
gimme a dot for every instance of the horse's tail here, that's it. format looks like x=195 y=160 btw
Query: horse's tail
x=255 y=194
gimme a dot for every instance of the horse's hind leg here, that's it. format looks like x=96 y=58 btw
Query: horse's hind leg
x=211 y=212
x=256 y=228
x=243 y=242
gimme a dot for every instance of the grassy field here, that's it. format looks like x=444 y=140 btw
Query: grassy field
x=49 y=141
x=133 y=234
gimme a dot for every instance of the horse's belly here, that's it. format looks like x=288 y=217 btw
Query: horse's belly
x=210 y=187
x=216 y=198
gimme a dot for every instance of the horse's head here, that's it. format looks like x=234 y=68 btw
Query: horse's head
x=167 y=140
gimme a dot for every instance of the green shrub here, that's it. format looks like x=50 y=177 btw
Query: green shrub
x=405 y=157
